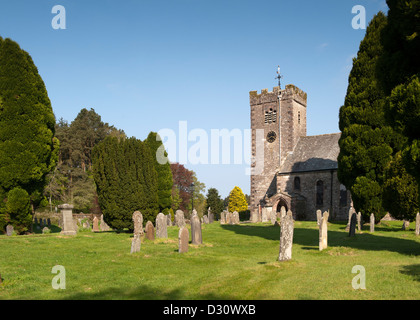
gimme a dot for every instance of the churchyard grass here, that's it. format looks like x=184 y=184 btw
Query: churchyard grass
x=234 y=262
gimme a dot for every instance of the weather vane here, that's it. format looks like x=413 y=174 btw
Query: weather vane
x=278 y=76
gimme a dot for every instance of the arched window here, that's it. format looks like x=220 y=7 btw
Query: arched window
x=296 y=183
x=319 y=193
x=343 y=196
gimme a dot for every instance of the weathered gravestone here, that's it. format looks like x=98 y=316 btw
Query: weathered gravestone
x=138 y=230
x=318 y=217
x=223 y=217
x=286 y=237
x=9 y=230
x=210 y=215
x=183 y=239
x=168 y=220
x=235 y=217
x=372 y=223
x=418 y=224
x=161 y=226
x=196 y=235
x=150 y=230
x=229 y=218
x=351 y=211
x=104 y=226
x=46 y=230
x=323 y=231
x=95 y=224
x=179 y=218
x=353 y=222
x=69 y=227
x=359 y=222
x=206 y=219
x=405 y=225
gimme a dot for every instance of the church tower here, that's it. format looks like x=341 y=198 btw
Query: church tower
x=278 y=120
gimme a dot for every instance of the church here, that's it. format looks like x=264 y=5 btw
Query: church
x=289 y=168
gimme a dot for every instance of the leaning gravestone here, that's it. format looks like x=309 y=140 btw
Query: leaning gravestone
x=69 y=227
x=323 y=231
x=161 y=226
x=418 y=224
x=95 y=224
x=150 y=230
x=138 y=230
x=372 y=223
x=9 y=230
x=183 y=239
x=353 y=222
x=286 y=237
x=179 y=218
x=196 y=235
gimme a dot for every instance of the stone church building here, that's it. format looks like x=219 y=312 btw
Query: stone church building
x=289 y=168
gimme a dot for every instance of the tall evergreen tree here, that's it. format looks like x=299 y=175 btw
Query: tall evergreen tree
x=237 y=200
x=214 y=201
x=165 y=181
x=28 y=149
x=126 y=181
x=365 y=142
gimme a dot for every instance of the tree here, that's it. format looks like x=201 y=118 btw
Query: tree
x=18 y=209
x=214 y=201
x=399 y=74
x=237 y=201
x=28 y=148
x=365 y=142
x=163 y=170
x=126 y=181
x=182 y=180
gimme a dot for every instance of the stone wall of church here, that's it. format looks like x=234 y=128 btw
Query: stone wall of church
x=307 y=190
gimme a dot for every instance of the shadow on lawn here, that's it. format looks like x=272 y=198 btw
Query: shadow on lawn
x=310 y=238
x=412 y=270
x=142 y=292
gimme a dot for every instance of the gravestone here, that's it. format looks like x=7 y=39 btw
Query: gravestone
x=210 y=215
x=286 y=237
x=372 y=223
x=418 y=224
x=9 y=230
x=150 y=231
x=46 y=230
x=235 y=217
x=168 y=220
x=318 y=217
x=179 y=218
x=353 y=222
x=273 y=217
x=95 y=224
x=183 y=239
x=228 y=217
x=69 y=227
x=196 y=235
x=138 y=230
x=351 y=211
x=405 y=225
x=223 y=217
x=282 y=212
x=323 y=231
x=359 y=222
x=161 y=226
x=104 y=226
x=206 y=219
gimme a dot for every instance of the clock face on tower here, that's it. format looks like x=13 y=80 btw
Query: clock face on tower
x=271 y=136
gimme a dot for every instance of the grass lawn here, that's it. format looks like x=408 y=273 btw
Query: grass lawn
x=235 y=262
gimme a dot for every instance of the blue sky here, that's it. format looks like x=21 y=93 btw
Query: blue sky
x=146 y=65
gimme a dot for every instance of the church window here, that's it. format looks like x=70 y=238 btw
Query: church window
x=319 y=193
x=270 y=116
x=297 y=183
x=343 y=196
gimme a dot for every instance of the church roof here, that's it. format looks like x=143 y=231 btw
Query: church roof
x=313 y=153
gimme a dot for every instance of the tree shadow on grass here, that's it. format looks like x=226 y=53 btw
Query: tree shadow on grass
x=310 y=238
x=412 y=270
x=143 y=292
